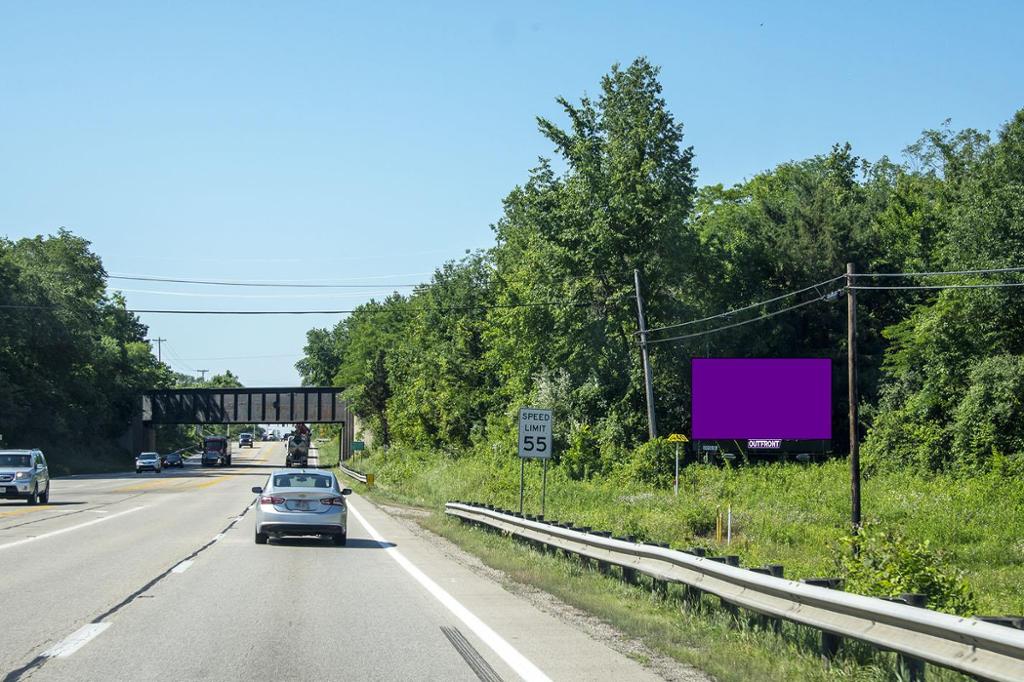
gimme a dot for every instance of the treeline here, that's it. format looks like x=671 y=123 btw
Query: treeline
x=547 y=316
x=73 y=359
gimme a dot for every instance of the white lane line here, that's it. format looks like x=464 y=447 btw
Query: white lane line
x=76 y=640
x=70 y=528
x=183 y=566
x=519 y=663
x=217 y=537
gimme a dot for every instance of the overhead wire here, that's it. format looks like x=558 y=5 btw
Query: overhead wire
x=854 y=287
x=747 y=307
x=765 y=316
x=983 y=271
x=165 y=311
x=989 y=285
x=177 y=358
x=268 y=284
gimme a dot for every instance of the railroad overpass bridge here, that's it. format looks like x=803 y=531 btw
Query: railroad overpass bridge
x=223 y=406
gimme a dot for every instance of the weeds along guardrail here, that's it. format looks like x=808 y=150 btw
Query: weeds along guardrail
x=986 y=650
x=352 y=473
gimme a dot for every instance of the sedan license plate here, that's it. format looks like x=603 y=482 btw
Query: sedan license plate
x=302 y=505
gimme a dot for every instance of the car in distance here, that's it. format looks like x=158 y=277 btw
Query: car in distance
x=173 y=459
x=24 y=474
x=245 y=440
x=301 y=502
x=148 y=461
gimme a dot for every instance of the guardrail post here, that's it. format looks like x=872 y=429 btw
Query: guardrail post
x=759 y=619
x=567 y=553
x=660 y=587
x=628 y=573
x=584 y=560
x=603 y=567
x=775 y=571
x=913 y=668
x=830 y=641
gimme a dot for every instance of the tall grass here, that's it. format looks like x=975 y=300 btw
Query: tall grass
x=791 y=514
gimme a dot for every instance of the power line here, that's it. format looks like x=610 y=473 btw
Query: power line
x=744 y=308
x=228 y=283
x=178 y=360
x=192 y=294
x=985 y=271
x=165 y=311
x=991 y=285
x=737 y=324
x=293 y=284
x=246 y=357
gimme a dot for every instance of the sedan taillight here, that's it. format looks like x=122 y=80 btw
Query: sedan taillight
x=267 y=499
x=333 y=501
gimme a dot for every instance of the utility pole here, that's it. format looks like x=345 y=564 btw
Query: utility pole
x=851 y=352
x=203 y=372
x=652 y=425
x=159 y=349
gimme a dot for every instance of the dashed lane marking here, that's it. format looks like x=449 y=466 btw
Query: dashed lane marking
x=52 y=533
x=183 y=566
x=76 y=640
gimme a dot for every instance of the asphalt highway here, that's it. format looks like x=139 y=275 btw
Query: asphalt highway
x=156 y=576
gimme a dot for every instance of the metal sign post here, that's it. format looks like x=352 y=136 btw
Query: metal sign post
x=677 y=438
x=677 y=469
x=543 y=488
x=522 y=470
x=535 y=442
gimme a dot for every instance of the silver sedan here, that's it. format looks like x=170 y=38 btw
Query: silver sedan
x=301 y=502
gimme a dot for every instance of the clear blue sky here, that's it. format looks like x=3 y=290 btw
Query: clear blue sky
x=344 y=141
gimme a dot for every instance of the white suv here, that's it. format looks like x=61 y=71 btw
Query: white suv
x=24 y=475
x=148 y=460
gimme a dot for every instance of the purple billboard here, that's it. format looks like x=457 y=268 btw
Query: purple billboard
x=762 y=398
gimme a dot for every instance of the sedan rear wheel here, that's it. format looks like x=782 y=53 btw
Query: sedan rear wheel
x=340 y=539
x=261 y=538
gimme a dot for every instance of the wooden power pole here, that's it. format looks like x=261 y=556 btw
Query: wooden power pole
x=851 y=353
x=652 y=425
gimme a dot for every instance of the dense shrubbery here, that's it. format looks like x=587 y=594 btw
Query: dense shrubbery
x=546 y=316
x=886 y=564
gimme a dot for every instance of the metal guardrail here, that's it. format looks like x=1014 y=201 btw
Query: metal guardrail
x=985 y=650
x=352 y=473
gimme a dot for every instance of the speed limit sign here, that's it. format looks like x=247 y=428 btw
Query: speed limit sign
x=534 y=433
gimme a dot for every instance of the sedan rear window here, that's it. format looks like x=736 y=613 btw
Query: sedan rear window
x=15 y=460
x=303 y=481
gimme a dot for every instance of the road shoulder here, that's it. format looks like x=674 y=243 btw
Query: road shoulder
x=564 y=641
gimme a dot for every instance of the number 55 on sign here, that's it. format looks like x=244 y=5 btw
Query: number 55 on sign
x=534 y=433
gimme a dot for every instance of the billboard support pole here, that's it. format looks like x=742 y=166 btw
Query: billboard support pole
x=851 y=352
x=652 y=425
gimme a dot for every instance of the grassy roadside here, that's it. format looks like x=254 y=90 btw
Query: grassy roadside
x=795 y=515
